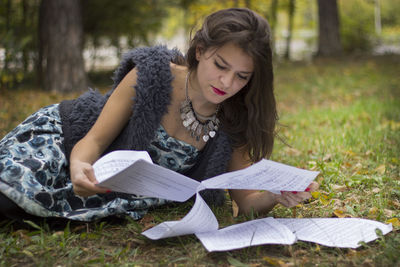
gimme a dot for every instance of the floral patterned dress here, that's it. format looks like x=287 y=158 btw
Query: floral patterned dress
x=34 y=172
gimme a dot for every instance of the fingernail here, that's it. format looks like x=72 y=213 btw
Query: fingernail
x=294 y=192
x=308 y=189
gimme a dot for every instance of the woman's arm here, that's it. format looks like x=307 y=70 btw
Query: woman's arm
x=262 y=201
x=114 y=116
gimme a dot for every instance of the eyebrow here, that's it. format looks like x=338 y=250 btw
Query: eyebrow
x=226 y=63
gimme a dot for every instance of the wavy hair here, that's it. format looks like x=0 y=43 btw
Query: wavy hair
x=248 y=117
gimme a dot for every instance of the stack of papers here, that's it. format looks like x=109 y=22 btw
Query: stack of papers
x=133 y=172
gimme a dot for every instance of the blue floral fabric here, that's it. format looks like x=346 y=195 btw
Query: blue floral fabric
x=171 y=153
x=34 y=172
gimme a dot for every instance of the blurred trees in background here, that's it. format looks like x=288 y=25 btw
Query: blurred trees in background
x=328 y=34
x=60 y=61
x=115 y=26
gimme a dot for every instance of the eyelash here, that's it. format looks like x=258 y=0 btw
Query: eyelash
x=223 y=68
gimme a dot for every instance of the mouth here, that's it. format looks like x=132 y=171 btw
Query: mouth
x=217 y=91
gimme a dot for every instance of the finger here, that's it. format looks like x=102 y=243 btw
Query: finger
x=304 y=196
x=84 y=187
x=89 y=172
x=294 y=196
x=92 y=178
x=295 y=199
x=288 y=199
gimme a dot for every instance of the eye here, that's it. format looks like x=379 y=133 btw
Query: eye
x=219 y=66
x=243 y=77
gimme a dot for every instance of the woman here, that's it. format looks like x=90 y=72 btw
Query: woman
x=211 y=112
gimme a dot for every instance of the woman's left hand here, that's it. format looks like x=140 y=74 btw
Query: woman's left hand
x=291 y=199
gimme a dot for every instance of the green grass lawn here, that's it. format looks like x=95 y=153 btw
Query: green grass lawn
x=340 y=117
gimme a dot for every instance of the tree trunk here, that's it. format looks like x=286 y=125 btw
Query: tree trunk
x=290 y=28
x=61 y=45
x=329 y=37
x=24 y=27
x=378 y=24
x=273 y=22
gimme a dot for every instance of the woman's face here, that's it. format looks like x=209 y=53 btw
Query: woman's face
x=222 y=72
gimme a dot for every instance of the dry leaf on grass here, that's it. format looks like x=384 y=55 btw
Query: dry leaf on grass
x=339 y=188
x=373 y=212
x=274 y=261
x=381 y=169
x=388 y=213
x=327 y=157
x=293 y=152
x=394 y=221
x=339 y=213
x=235 y=209
x=376 y=190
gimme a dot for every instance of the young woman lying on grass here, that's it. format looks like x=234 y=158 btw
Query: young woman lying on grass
x=210 y=112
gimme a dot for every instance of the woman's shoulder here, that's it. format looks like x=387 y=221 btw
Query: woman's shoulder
x=178 y=72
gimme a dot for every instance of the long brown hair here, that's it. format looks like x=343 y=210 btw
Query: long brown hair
x=249 y=116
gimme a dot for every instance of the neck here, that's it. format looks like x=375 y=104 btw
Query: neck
x=200 y=104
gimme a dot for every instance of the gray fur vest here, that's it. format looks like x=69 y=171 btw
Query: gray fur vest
x=153 y=91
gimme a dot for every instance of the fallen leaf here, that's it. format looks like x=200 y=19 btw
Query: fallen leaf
x=373 y=212
x=339 y=213
x=347 y=164
x=327 y=157
x=394 y=221
x=369 y=152
x=338 y=204
x=235 y=209
x=339 y=188
x=293 y=152
x=376 y=190
x=352 y=253
x=274 y=261
x=395 y=203
x=315 y=194
x=381 y=169
x=388 y=213
x=349 y=153
x=358 y=166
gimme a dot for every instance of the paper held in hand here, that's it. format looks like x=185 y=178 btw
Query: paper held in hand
x=133 y=172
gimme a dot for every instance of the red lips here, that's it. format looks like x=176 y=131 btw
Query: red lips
x=218 y=92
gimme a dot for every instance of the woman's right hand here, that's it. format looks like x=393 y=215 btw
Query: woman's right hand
x=83 y=179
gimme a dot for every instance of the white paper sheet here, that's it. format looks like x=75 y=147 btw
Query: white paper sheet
x=264 y=175
x=251 y=233
x=112 y=163
x=199 y=219
x=147 y=179
x=336 y=232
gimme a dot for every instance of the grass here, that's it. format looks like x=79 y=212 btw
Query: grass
x=340 y=117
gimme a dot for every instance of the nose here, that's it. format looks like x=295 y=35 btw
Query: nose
x=227 y=79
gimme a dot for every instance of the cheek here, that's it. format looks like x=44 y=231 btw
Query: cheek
x=239 y=85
